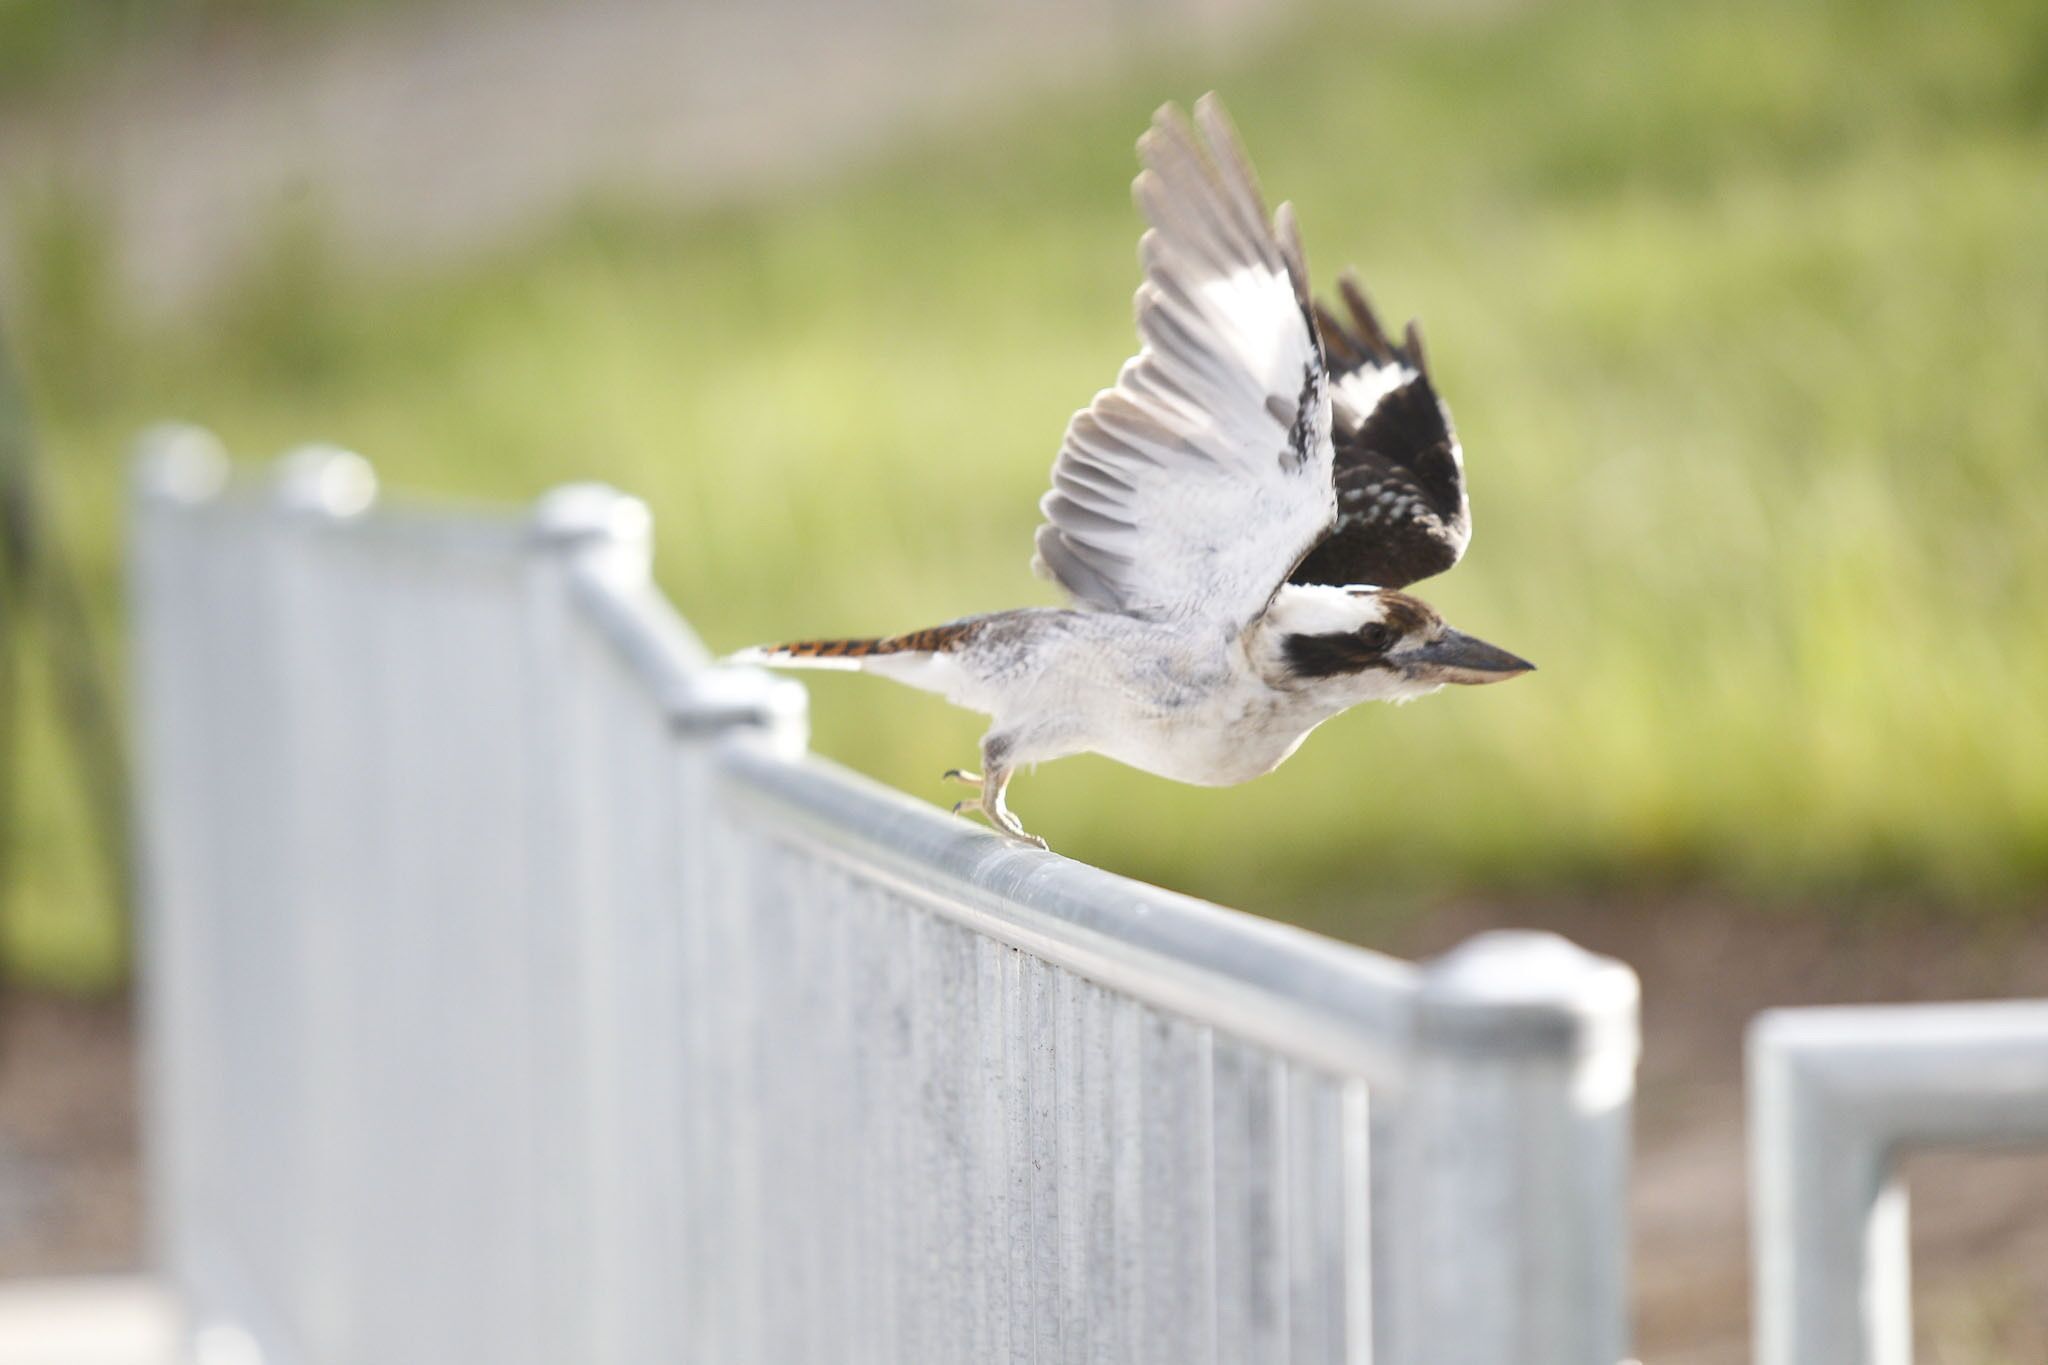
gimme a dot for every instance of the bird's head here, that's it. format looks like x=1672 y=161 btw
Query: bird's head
x=1371 y=644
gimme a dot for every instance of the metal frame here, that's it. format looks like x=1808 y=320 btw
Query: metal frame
x=1836 y=1096
x=1486 y=1095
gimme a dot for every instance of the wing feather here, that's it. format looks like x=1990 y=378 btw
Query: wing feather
x=1402 y=511
x=1190 y=488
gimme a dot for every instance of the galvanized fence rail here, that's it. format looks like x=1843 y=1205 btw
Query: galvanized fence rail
x=1837 y=1095
x=519 y=991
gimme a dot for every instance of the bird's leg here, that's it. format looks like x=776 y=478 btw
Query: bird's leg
x=997 y=749
x=991 y=807
x=998 y=814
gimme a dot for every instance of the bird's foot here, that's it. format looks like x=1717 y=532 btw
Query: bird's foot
x=1010 y=825
x=960 y=775
x=1000 y=820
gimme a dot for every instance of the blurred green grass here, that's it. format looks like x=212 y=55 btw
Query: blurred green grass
x=51 y=46
x=1743 y=311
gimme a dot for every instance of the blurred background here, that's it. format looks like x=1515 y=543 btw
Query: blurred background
x=1742 y=310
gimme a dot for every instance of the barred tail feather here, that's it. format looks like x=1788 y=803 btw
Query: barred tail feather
x=814 y=653
x=856 y=654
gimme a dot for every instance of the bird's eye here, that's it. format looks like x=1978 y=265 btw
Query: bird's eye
x=1377 y=637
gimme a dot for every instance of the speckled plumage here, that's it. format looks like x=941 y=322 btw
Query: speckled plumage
x=1232 y=519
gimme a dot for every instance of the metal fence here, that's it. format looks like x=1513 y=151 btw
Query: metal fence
x=1836 y=1096
x=519 y=991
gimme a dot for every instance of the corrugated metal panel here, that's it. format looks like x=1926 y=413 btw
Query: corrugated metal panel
x=950 y=1150
x=520 y=992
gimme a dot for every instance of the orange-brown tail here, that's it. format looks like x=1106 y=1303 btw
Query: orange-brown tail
x=849 y=653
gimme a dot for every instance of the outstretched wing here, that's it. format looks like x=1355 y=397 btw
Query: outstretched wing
x=1402 y=513
x=1190 y=489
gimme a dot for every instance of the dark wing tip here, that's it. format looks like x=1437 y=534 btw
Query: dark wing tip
x=1373 y=338
x=1341 y=348
x=1416 y=356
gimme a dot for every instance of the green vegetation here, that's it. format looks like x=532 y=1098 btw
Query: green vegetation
x=47 y=44
x=1743 y=310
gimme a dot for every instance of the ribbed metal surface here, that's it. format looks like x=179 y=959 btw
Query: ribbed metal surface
x=954 y=1151
x=518 y=992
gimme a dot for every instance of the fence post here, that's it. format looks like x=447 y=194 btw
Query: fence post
x=1835 y=1094
x=576 y=1308
x=175 y=469
x=1508 y=1168
x=595 y=615
x=314 y=490
x=1829 y=1217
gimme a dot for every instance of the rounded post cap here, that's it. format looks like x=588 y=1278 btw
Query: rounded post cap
x=1525 y=984
x=324 y=480
x=722 y=697
x=177 y=462
x=578 y=512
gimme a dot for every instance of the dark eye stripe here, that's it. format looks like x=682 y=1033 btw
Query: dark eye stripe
x=1376 y=636
x=1324 y=656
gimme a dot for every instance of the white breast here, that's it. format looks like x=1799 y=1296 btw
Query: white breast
x=1178 y=701
x=1242 y=730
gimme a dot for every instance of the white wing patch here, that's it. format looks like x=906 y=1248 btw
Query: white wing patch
x=1193 y=486
x=1359 y=392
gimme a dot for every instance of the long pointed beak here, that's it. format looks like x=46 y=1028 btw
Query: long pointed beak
x=1461 y=658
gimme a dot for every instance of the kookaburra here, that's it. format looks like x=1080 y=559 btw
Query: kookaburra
x=1233 y=521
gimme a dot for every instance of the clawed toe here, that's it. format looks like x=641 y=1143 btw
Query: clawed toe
x=989 y=804
x=1008 y=825
x=1022 y=836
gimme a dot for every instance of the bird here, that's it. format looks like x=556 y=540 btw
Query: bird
x=1233 y=522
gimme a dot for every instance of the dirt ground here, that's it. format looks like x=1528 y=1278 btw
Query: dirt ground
x=69 y=1190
